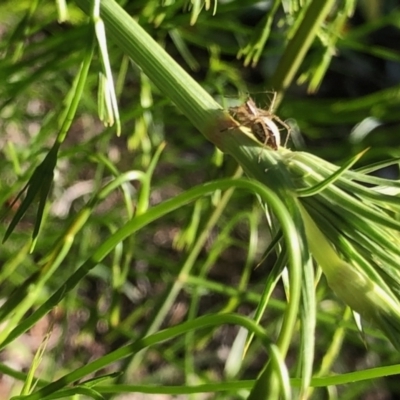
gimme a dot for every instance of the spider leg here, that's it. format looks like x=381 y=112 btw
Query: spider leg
x=272 y=104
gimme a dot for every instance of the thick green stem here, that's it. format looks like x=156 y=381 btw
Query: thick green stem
x=169 y=77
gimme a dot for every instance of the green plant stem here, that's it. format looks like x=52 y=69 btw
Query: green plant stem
x=298 y=45
x=169 y=77
x=166 y=301
x=169 y=333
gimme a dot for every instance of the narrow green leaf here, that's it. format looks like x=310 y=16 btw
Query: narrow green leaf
x=331 y=179
x=38 y=186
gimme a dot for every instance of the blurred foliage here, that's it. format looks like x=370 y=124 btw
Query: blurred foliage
x=345 y=98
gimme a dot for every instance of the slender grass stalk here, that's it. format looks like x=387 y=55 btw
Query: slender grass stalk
x=172 y=291
x=159 y=337
x=299 y=44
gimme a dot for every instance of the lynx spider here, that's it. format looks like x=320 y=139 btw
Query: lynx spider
x=261 y=122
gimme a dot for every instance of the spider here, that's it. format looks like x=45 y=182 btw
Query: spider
x=261 y=122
